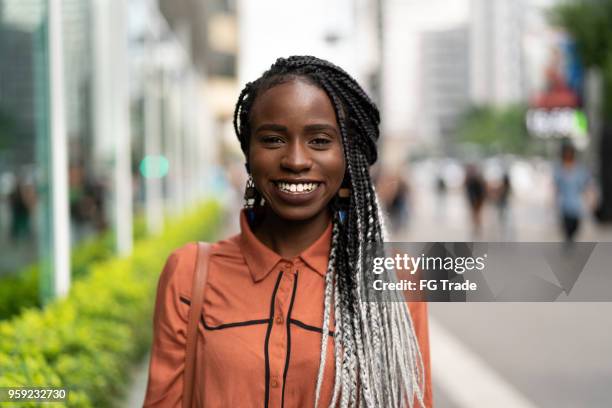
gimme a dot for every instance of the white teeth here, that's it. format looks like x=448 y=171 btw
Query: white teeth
x=298 y=187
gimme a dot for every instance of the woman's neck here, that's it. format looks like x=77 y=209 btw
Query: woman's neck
x=290 y=238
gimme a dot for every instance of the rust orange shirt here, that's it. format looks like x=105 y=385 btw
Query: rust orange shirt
x=260 y=331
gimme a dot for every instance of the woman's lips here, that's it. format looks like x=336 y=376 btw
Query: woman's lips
x=284 y=191
x=297 y=187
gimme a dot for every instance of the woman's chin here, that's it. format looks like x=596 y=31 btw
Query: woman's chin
x=294 y=214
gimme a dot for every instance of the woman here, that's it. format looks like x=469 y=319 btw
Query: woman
x=283 y=321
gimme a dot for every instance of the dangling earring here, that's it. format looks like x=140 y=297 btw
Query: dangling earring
x=249 y=193
x=343 y=203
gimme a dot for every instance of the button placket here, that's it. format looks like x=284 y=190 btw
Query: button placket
x=278 y=340
x=286 y=287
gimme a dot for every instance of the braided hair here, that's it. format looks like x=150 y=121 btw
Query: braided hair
x=377 y=358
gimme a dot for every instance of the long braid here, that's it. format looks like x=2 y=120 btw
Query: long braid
x=381 y=319
x=339 y=342
x=377 y=358
x=362 y=333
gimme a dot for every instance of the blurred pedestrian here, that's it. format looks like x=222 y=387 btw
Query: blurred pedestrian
x=87 y=198
x=501 y=199
x=475 y=189
x=21 y=200
x=394 y=194
x=441 y=190
x=282 y=322
x=571 y=180
x=440 y=186
x=399 y=208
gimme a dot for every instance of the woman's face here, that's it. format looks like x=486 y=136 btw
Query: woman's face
x=295 y=154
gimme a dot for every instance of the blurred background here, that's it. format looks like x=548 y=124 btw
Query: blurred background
x=116 y=116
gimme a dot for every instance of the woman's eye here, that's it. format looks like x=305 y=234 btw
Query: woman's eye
x=272 y=139
x=320 y=141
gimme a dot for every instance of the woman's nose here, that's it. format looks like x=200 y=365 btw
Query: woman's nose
x=297 y=158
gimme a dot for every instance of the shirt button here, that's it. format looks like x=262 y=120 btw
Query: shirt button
x=279 y=320
x=274 y=383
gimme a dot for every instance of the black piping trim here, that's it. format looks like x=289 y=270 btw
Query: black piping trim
x=225 y=325
x=268 y=339
x=236 y=324
x=288 y=339
x=309 y=327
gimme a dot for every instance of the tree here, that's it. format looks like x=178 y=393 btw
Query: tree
x=589 y=22
x=496 y=130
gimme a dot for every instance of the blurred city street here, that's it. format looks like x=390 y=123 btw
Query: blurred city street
x=531 y=213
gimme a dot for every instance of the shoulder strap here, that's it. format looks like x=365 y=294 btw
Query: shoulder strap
x=197 y=299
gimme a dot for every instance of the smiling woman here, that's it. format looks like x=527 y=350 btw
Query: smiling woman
x=285 y=321
x=295 y=145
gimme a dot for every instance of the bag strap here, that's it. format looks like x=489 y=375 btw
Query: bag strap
x=197 y=299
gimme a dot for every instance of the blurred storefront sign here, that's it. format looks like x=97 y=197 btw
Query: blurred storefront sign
x=558 y=123
x=557 y=111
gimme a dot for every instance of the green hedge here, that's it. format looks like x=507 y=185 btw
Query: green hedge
x=89 y=341
x=20 y=290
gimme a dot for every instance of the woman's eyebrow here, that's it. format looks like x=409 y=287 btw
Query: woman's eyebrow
x=320 y=127
x=271 y=126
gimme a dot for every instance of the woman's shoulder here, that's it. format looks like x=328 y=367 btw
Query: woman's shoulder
x=177 y=273
x=228 y=247
x=185 y=255
x=181 y=261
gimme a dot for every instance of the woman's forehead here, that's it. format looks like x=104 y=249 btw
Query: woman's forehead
x=295 y=100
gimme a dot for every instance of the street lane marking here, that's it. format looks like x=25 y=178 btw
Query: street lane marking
x=465 y=378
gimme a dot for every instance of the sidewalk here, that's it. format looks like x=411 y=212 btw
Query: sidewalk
x=139 y=376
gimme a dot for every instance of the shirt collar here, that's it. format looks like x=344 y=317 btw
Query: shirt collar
x=261 y=260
